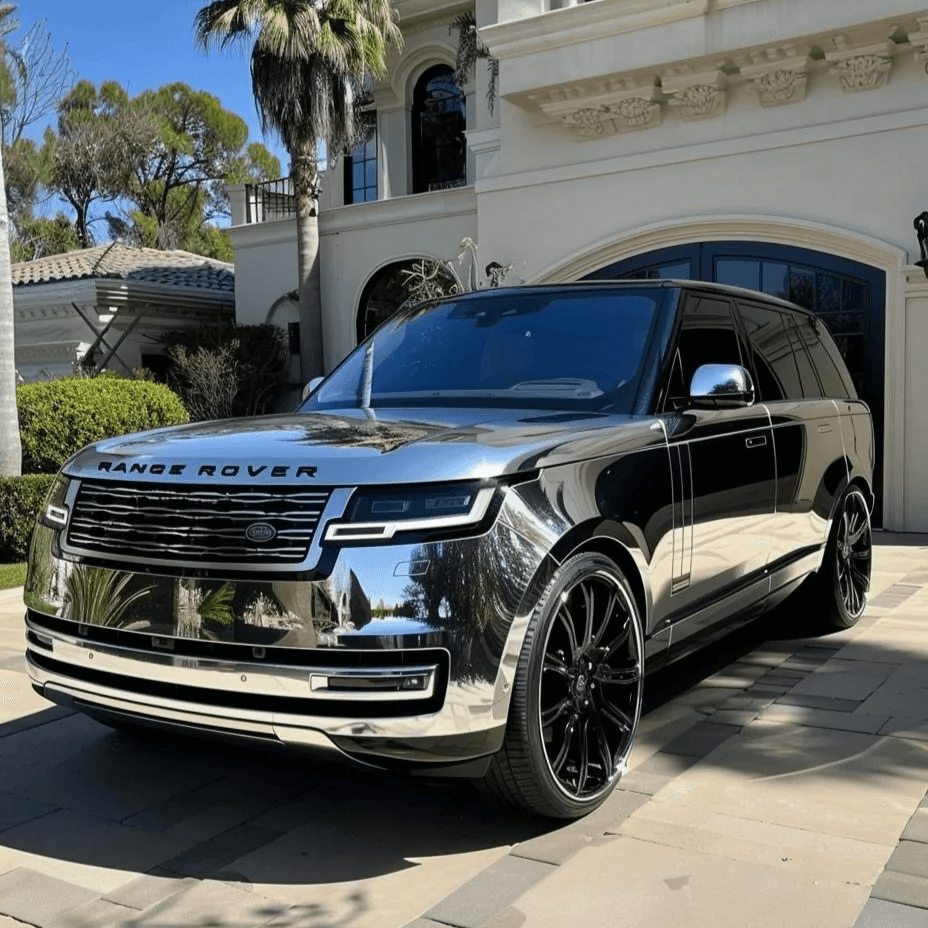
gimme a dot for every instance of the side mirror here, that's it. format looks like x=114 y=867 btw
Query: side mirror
x=719 y=386
x=311 y=386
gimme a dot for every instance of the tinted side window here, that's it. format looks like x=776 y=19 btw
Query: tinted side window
x=835 y=383
x=707 y=336
x=772 y=353
x=799 y=336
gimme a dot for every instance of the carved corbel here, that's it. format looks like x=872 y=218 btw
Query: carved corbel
x=777 y=77
x=599 y=111
x=864 y=68
x=697 y=96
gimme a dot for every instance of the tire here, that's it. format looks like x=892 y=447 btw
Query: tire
x=577 y=694
x=839 y=590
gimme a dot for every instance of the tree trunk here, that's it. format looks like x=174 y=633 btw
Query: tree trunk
x=11 y=457
x=305 y=176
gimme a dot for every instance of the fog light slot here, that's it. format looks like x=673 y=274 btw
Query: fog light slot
x=374 y=684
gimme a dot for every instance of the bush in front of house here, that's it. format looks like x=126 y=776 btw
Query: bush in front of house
x=21 y=499
x=59 y=417
x=222 y=372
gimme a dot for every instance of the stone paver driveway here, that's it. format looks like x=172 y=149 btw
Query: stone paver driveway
x=782 y=787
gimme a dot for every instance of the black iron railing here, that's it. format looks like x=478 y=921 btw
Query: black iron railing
x=270 y=201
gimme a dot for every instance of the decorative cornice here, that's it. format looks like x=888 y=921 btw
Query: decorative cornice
x=864 y=68
x=860 y=55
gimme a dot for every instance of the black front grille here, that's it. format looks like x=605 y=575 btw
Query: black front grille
x=180 y=523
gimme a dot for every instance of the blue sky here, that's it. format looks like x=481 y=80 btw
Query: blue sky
x=146 y=45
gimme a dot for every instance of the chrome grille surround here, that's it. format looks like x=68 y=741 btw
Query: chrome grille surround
x=164 y=523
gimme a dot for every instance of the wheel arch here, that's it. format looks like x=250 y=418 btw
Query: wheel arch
x=615 y=541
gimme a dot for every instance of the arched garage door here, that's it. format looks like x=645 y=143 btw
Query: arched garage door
x=848 y=296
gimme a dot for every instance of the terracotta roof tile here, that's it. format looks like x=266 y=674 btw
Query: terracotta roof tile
x=168 y=268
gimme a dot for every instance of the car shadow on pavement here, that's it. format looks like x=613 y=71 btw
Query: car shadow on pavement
x=75 y=790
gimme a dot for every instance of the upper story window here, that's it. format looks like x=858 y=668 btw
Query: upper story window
x=361 y=166
x=439 y=152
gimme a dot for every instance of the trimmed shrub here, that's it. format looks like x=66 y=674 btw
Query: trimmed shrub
x=59 y=417
x=21 y=499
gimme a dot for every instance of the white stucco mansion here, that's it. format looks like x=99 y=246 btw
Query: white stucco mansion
x=776 y=144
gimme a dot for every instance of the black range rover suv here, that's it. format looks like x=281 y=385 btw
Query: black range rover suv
x=463 y=551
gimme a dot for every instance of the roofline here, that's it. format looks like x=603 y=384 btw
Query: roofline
x=662 y=283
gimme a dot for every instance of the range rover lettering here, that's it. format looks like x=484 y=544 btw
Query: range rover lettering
x=462 y=552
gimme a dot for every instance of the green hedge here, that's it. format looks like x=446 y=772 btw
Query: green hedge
x=59 y=417
x=21 y=499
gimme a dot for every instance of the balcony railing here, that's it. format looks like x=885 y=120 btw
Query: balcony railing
x=270 y=201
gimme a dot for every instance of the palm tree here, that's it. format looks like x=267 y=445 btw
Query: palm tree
x=10 y=447
x=309 y=61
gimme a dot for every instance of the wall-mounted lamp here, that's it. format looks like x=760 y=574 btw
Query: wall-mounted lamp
x=921 y=229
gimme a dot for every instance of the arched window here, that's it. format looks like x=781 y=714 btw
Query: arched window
x=385 y=292
x=439 y=153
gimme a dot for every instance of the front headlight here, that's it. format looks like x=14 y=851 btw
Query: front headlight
x=55 y=512
x=378 y=514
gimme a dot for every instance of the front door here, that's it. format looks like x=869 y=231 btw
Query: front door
x=724 y=480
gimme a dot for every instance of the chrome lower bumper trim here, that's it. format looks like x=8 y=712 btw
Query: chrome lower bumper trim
x=269 y=703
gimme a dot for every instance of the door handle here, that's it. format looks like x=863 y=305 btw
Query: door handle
x=756 y=441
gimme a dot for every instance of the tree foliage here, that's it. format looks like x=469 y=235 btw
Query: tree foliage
x=100 y=137
x=199 y=146
x=309 y=63
x=40 y=236
x=160 y=159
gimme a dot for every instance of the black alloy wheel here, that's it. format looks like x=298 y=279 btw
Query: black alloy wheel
x=836 y=595
x=577 y=693
x=853 y=554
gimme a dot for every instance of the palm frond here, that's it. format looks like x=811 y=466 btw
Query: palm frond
x=97 y=597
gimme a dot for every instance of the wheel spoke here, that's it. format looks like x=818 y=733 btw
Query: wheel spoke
x=553 y=662
x=616 y=715
x=620 y=639
x=567 y=623
x=602 y=742
x=550 y=716
x=860 y=578
x=609 y=676
x=589 y=602
x=584 y=770
x=857 y=534
x=561 y=757
x=607 y=617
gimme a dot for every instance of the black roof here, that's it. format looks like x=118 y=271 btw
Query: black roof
x=638 y=284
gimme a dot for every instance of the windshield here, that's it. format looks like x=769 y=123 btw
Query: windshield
x=551 y=349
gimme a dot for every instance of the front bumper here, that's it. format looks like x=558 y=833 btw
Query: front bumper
x=271 y=703
x=398 y=655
